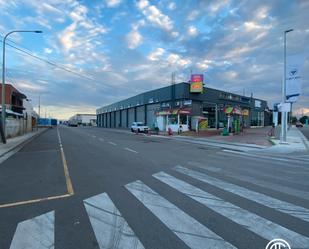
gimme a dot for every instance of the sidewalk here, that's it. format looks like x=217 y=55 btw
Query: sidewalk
x=253 y=139
x=17 y=142
x=296 y=142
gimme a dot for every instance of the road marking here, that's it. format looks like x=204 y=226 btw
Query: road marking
x=250 y=221
x=12 y=204
x=65 y=167
x=94 y=136
x=112 y=143
x=128 y=149
x=110 y=228
x=36 y=233
x=261 y=157
x=281 y=206
x=189 y=230
x=101 y=139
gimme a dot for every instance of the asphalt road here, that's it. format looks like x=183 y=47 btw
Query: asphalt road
x=136 y=191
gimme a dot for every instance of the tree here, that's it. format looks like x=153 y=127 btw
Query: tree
x=293 y=120
x=303 y=119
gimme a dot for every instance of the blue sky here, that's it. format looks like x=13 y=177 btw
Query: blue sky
x=126 y=47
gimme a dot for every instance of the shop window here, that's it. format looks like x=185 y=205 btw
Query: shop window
x=173 y=119
x=182 y=119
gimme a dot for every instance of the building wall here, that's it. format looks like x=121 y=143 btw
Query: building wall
x=151 y=114
x=146 y=104
x=140 y=114
x=124 y=118
x=131 y=116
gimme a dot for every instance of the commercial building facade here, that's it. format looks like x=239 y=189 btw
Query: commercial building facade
x=176 y=107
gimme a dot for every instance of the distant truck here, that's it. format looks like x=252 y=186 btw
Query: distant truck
x=47 y=122
x=73 y=122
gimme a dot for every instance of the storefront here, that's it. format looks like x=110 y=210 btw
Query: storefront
x=176 y=119
x=185 y=107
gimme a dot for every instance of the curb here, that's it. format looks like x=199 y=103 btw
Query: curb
x=23 y=143
x=305 y=140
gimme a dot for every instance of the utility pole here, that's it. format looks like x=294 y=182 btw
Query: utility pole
x=3 y=116
x=39 y=106
x=283 y=100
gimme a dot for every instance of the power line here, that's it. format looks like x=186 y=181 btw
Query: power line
x=48 y=62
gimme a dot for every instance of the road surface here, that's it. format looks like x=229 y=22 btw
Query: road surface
x=100 y=188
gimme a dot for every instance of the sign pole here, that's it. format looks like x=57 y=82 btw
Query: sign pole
x=284 y=113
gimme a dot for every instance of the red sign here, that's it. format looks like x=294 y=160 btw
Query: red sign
x=197 y=78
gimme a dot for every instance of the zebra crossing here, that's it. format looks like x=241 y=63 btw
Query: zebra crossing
x=112 y=230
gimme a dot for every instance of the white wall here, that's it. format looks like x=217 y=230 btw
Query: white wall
x=15 y=127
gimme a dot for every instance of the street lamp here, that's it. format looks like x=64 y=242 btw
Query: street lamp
x=283 y=100
x=3 y=75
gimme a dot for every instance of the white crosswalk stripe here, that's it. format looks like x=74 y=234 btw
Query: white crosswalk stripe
x=189 y=230
x=282 y=206
x=112 y=231
x=251 y=221
x=35 y=233
x=110 y=228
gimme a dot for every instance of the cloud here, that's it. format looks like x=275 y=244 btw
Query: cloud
x=171 y=6
x=192 y=15
x=48 y=50
x=134 y=39
x=113 y=3
x=155 y=16
x=192 y=31
x=156 y=54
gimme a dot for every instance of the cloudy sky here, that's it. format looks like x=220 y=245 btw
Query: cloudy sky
x=119 y=48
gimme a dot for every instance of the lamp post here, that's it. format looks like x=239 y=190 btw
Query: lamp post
x=3 y=76
x=283 y=100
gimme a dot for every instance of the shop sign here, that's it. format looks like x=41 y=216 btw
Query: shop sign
x=228 y=110
x=187 y=102
x=237 y=110
x=293 y=77
x=196 y=85
x=245 y=112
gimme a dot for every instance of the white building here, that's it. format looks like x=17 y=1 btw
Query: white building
x=84 y=119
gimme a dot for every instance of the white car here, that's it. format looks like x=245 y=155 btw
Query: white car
x=139 y=127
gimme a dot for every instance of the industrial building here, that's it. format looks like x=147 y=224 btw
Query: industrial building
x=184 y=106
x=83 y=120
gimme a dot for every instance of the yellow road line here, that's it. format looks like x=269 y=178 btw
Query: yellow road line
x=67 y=179
x=34 y=200
x=65 y=167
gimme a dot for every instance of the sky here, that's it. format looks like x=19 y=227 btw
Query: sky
x=119 y=48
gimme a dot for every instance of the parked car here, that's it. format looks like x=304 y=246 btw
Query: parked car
x=299 y=124
x=139 y=127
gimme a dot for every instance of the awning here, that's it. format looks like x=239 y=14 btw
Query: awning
x=173 y=112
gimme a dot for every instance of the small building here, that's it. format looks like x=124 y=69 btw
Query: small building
x=13 y=99
x=83 y=120
x=20 y=117
x=178 y=107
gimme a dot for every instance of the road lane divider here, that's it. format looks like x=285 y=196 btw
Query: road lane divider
x=65 y=167
x=133 y=151
x=112 y=143
x=19 y=203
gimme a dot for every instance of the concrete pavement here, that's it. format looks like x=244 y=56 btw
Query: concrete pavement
x=135 y=191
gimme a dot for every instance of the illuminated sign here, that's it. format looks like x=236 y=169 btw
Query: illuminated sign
x=196 y=85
